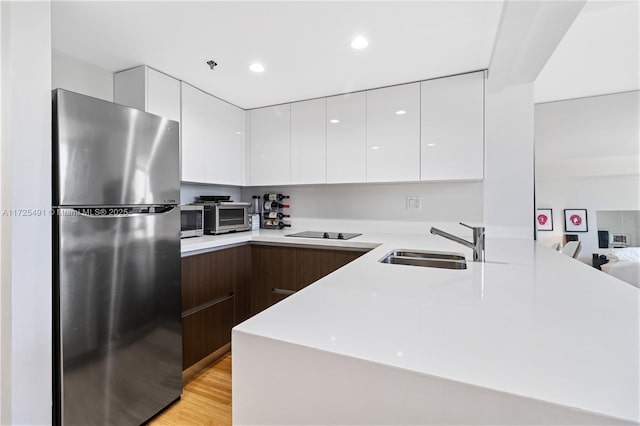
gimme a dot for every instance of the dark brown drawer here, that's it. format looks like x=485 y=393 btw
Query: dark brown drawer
x=214 y=275
x=206 y=330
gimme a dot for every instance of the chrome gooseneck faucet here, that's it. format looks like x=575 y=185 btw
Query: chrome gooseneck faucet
x=478 y=240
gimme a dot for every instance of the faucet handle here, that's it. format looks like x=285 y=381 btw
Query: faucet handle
x=478 y=231
x=472 y=227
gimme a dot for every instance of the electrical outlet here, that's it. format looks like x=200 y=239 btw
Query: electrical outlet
x=414 y=203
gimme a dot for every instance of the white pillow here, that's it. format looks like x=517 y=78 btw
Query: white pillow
x=631 y=254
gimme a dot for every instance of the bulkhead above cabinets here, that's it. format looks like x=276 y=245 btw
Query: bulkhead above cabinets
x=148 y=90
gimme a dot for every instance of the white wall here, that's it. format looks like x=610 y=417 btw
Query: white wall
x=594 y=136
x=591 y=193
x=189 y=191
x=382 y=205
x=74 y=74
x=26 y=240
x=508 y=183
x=587 y=157
x=598 y=55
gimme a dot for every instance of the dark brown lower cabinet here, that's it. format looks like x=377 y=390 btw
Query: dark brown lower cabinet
x=223 y=288
x=212 y=284
x=206 y=330
x=277 y=271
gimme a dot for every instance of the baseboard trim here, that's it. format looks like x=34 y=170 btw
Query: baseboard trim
x=205 y=362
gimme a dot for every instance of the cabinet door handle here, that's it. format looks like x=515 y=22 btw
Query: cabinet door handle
x=282 y=291
x=206 y=305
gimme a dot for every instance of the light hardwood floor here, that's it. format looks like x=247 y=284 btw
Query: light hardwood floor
x=206 y=399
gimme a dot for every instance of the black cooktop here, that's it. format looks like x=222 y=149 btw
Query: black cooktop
x=325 y=235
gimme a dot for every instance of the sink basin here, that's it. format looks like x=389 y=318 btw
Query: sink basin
x=427 y=254
x=429 y=263
x=428 y=259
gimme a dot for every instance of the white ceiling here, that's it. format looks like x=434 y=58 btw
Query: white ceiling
x=303 y=45
x=598 y=55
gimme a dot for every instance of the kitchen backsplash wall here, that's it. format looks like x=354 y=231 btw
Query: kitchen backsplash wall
x=76 y=75
x=440 y=202
x=189 y=191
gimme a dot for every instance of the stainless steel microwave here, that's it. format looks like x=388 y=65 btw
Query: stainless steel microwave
x=191 y=221
x=223 y=217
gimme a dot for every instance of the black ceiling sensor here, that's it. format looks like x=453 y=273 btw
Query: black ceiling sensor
x=212 y=63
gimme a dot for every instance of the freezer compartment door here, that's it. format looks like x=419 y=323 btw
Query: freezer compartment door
x=119 y=317
x=109 y=154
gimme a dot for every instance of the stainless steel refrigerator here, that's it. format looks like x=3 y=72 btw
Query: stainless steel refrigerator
x=117 y=324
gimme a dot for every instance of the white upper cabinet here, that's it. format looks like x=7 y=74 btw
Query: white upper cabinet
x=197 y=134
x=309 y=142
x=393 y=134
x=346 y=138
x=227 y=144
x=452 y=128
x=148 y=90
x=270 y=145
x=212 y=139
x=430 y=131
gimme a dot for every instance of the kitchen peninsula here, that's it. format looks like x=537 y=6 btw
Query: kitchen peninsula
x=529 y=336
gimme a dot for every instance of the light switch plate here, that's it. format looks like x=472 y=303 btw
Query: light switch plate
x=414 y=203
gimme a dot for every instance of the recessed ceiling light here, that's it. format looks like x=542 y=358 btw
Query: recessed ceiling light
x=256 y=67
x=401 y=112
x=359 y=42
x=334 y=121
x=375 y=147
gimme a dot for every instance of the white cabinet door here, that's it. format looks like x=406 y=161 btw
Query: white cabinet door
x=163 y=95
x=452 y=128
x=309 y=142
x=212 y=139
x=196 y=134
x=393 y=134
x=225 y=149
x=346 y=138
x=270 y=145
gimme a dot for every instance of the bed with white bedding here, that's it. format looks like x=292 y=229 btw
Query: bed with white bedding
x=624 y=264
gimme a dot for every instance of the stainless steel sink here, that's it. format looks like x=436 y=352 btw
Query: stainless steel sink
x=427 y=254
x=428 y=259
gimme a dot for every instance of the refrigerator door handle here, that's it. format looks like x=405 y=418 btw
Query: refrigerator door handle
x=116 y=211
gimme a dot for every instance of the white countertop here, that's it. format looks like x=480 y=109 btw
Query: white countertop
x=530 y=321
x=190 y=246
